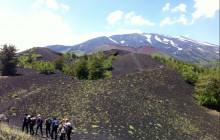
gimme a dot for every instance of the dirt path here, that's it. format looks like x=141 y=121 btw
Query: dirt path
x=13 y=101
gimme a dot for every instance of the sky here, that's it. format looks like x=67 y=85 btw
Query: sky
x=38 y=23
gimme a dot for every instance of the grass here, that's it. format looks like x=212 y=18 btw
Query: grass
x=8 y=133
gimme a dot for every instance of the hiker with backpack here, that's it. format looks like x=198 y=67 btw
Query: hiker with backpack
x=48 y=123
x=68 y=129
x=55 y=125
x=62 y=130
x=39 y=122
x=25 y=123
x=32 y=124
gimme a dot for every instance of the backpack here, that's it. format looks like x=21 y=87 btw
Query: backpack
x=69 y=128
x=48 y=122
x=33 y=121
x=25 y=119
x=63 y=131
x=41 y=121
x=56 y=123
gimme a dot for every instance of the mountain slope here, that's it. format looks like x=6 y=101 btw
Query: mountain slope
x=151 y=102
x=180 y=48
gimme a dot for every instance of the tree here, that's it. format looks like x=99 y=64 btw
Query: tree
x=69 y=69
x=59 y=63
x=96 y=66
x=67 y=55
x=8 y=60
x=45 y=67
x=189 y=74
x=74 y=56
x=208 y=87
x=81 y=69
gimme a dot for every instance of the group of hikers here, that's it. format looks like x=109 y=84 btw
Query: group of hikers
x=62 y=128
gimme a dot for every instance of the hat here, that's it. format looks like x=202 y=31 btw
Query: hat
x=38 y=115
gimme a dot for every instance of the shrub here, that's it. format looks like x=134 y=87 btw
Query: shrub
x=8 y=133
x=8 y=60
x=45 y=67
x=189 y=74
x=108 y=62
x=69 y=69
x=59 y=63
x=208 y=87
x=96 y=66
x=81 y=69
x=67 y=55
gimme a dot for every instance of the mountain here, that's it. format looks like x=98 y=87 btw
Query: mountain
x=180 y=48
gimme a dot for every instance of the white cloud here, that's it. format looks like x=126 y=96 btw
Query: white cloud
x=115 y=17
x=52 y=4
x=206 y=8
x=38 y=3
x=166 y=7
x=132 y=19
x=182 y=19
x=65 y=7
x=38 y=29
x=181 y=7
x=166 y=21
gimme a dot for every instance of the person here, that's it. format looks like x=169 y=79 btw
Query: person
x=62 y=130
x=48 y=123
x=55 y=125
x=25 y=123
x=68 y=129
x=32 y=124
x=39 y=122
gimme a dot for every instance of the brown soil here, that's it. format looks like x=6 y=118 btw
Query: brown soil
x=141 y=50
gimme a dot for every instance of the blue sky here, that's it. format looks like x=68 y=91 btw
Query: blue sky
x=31 y=23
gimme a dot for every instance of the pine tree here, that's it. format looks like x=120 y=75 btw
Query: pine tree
x=8 y=60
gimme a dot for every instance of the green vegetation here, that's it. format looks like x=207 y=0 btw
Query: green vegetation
x=59 y=63
x=189 y=74
x=8 y=133
x=108 y=62
x=96 y=66
x=90 y=68
x=206 y=81
x=70 y=56
x=69 y=69
x=81 y=69
x=45 y=67
x=29 y=59
x=8 y=60
x=208 y=85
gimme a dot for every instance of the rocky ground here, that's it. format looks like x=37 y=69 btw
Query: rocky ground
x=153 y=102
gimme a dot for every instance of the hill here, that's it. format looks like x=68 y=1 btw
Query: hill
x=180 y=48
x=150 y=101
x=45 y=54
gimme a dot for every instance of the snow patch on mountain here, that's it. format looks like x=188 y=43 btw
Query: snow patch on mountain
x=165 y=40
x=200 y=49
x=158 y=39
x=122 y=42
x=197 y=42
x=175 y=45
x=148 y=38
x=113 y=40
